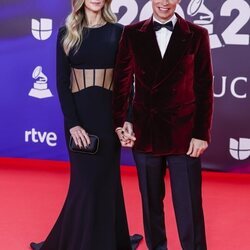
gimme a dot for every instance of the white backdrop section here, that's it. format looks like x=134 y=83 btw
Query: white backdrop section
x=31 y=120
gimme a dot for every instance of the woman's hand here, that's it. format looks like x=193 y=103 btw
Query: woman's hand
x=80 y=136
x=126 y=135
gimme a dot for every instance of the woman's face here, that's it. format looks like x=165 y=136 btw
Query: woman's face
x=94 y=5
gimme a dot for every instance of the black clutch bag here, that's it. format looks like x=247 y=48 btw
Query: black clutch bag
x=92 y=148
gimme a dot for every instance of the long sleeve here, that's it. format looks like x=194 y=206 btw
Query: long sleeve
x=130 y=106
x=63 y=71
x=123 y=80
x=203 y=90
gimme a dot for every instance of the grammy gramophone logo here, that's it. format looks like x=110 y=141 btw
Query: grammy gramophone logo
x=204 y=17
x=40 y=87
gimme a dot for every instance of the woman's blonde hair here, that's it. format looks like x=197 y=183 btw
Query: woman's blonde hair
x=77 y=20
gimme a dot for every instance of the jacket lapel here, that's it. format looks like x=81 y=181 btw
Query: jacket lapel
x=150 y=45
x=177 y=48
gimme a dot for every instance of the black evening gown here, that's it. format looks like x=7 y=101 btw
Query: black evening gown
x=93 y=216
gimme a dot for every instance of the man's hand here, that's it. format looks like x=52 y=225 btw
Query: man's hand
x=126 y=135
x=196 y=147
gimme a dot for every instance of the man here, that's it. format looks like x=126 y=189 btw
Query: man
x=171 y=117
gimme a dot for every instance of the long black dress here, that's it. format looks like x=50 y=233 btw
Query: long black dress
x=93 y=216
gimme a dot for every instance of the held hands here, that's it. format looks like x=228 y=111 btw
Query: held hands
x=80 y=136
x=196 y=147
x=126 y=135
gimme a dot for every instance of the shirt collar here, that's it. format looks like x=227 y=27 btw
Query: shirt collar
x=173 y=19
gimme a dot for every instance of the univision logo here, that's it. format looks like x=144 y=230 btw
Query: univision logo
x=240 y=150
x=41 y=29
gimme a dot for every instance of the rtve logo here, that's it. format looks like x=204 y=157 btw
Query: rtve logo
x=50 y=138
x=41 y=29
x=240 y=150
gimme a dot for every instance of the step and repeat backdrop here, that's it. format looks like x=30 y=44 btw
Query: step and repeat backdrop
x=31 y=122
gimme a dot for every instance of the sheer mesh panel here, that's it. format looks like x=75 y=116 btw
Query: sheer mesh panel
x=84 y=78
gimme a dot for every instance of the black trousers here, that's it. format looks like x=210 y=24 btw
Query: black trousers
x=185 y=179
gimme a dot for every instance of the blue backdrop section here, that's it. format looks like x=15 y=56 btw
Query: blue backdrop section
x=31 y=122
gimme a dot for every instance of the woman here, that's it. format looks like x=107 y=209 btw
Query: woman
x=93 y=216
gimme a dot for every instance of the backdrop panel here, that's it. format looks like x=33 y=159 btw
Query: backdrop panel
x=31 y=120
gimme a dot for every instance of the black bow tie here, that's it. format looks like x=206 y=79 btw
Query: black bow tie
x=168 y=25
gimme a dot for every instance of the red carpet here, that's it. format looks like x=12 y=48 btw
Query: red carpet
x=32 y=193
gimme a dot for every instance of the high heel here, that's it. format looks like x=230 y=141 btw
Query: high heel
x=36 y=246
x=135 y=240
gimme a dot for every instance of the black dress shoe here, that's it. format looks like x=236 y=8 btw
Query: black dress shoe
x=36 y=246
x=135 y=240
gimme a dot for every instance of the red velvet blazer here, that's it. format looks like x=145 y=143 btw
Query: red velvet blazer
x=173 y=97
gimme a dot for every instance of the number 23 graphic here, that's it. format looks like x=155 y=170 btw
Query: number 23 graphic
x=230 y=35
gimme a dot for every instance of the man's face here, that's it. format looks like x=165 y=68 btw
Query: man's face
x=164 y=9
